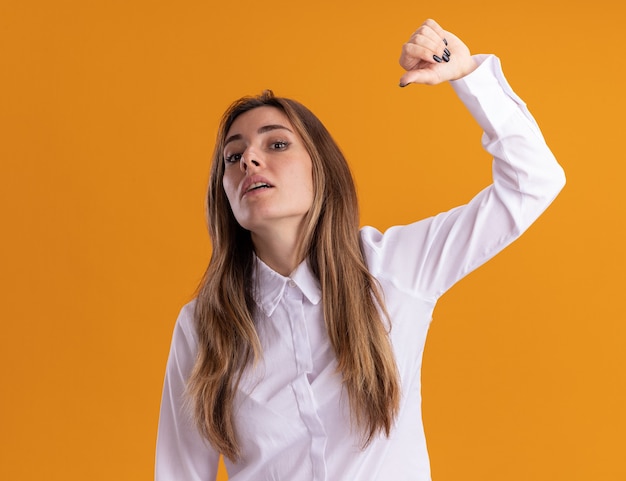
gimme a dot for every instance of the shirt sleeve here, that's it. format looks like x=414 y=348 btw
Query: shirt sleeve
x=182 y=454
x=429 y=256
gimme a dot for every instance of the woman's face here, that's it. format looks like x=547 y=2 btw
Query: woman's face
x=268 y=173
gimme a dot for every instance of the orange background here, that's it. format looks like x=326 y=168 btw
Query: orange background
x=108 y=112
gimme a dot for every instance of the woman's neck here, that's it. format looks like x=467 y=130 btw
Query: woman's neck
x=278 y=250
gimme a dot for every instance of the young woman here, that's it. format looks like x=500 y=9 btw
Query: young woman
x=300 y=358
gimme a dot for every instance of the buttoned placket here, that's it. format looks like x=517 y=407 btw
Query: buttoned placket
x=307 y=404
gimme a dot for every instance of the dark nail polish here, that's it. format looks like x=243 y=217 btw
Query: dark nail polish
x=445 y=42
x=445 y=57
x=403 y=85
x=446 y=51
x=437 y=59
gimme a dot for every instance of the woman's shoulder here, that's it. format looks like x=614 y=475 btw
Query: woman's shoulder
x=394 y=237
x=397 y=245
x=185 y=323
x=188 y=309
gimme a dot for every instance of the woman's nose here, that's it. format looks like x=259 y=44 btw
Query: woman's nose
x=249 y=159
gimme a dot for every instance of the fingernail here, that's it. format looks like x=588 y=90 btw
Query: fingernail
x=445 y=42
x=446 y=58
x=446 y=51
x=402 y=85
x=437 y=59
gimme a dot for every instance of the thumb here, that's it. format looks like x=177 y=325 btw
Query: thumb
x=420 y=76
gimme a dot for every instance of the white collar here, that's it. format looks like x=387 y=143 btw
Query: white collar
x=269 y=285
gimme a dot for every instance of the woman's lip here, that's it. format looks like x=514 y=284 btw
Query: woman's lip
x=250 y=181
x=256 y=189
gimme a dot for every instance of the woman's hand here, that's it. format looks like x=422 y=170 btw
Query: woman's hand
x=433 y=55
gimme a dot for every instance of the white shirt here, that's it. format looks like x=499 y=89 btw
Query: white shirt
x=292 y=417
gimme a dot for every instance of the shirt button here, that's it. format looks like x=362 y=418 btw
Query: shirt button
x=292 y=283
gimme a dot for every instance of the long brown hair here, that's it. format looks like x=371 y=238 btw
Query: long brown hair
x=353 y=307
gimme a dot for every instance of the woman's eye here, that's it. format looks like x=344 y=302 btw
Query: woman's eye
x=280 y=145
x=229 y=159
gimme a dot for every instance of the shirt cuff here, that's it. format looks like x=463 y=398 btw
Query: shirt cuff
x=488 y=96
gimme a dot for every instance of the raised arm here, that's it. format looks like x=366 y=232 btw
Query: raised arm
x=431 y=255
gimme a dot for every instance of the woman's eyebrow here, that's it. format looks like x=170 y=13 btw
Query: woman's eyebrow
x=267 y=128
x=262 y=130
x=232 y=138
